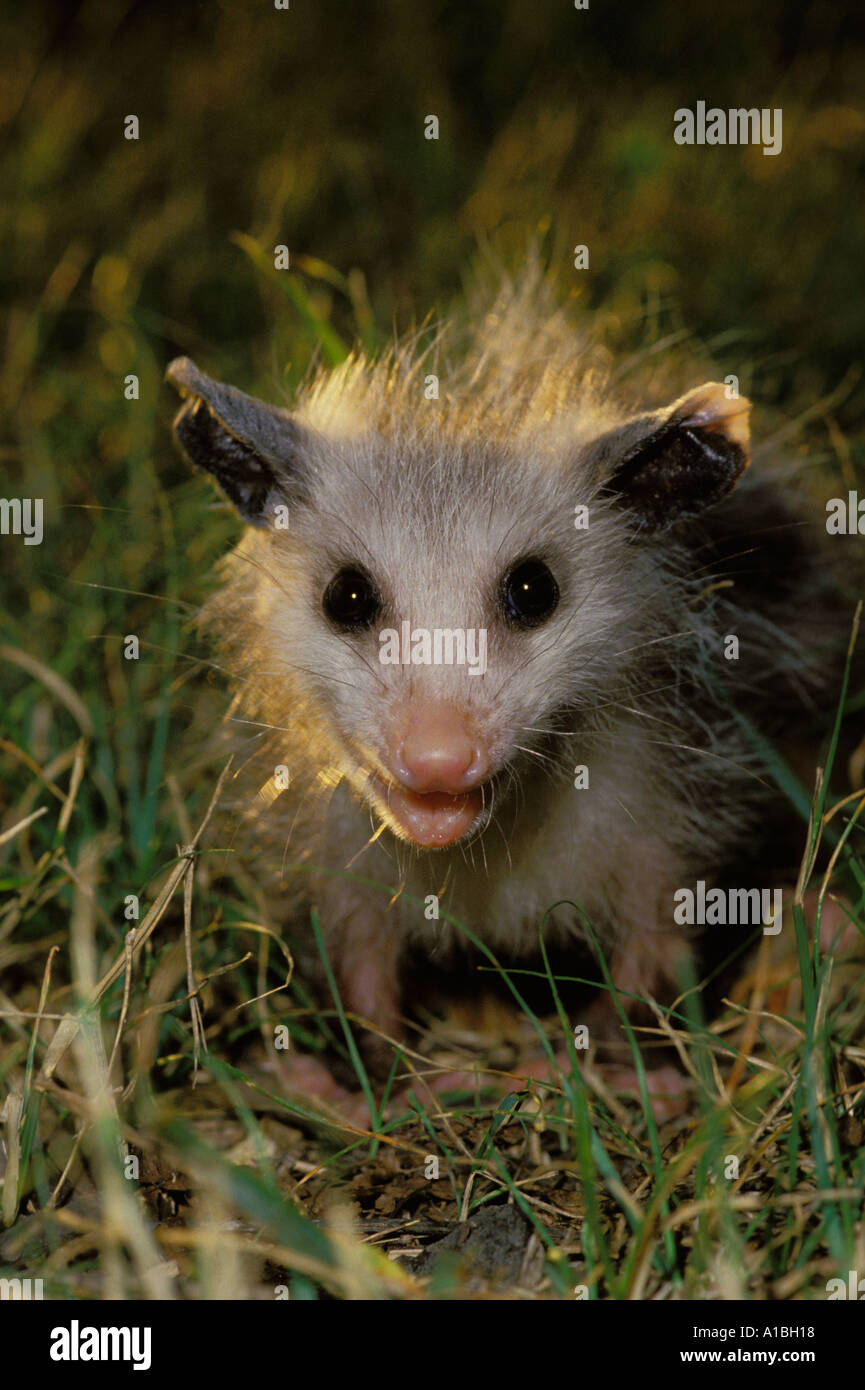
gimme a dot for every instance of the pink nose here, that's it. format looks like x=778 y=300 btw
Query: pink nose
x=435 y=750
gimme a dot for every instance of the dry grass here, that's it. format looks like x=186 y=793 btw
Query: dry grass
x=151 y=1151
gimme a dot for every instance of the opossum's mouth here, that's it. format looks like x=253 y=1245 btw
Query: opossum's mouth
x=431 y=820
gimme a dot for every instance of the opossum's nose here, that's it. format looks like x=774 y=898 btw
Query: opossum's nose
x=436 y=750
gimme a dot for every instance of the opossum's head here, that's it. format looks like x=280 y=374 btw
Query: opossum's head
x=439 y=593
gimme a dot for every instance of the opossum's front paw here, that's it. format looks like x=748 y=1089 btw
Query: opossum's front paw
x=309 y=1082
x=668 y=1089
x=306 y=1079
x=838 y=933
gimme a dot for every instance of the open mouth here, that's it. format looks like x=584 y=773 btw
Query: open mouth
x=432 y=820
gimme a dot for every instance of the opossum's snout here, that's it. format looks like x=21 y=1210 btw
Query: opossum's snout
x=439 y=765
x=434 y=749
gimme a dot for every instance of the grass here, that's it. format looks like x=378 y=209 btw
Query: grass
x=141 y=1140
x=146 y=1150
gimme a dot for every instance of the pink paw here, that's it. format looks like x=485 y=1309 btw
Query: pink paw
x=668 y=1088
x=837 y=933
x=306 y=1079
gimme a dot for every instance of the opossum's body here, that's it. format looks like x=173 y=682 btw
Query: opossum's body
x=453 y=514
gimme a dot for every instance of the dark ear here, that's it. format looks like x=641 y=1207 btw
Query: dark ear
x=668 y=466
x=250 y=448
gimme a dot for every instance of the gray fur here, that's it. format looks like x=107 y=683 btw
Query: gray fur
x=435 y=498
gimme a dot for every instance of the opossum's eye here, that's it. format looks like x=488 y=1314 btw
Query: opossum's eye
x=529 y=593
x=351 y=600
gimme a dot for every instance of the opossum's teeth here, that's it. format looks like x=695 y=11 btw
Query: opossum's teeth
x=434 y=820
x=435 y=773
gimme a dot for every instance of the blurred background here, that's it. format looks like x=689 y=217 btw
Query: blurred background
x=305 y=127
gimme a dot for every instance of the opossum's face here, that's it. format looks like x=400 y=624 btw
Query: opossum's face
x=442 y=603
x=439 y=652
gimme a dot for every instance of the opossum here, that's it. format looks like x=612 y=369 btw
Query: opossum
x=508 y=630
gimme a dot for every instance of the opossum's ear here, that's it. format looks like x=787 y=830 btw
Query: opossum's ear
x=682 y=459
x=253 y=450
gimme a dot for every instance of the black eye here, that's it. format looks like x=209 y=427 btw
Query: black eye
x=529 y=593
x=351 y=600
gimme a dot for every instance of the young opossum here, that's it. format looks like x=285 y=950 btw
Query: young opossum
x=502 y=629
